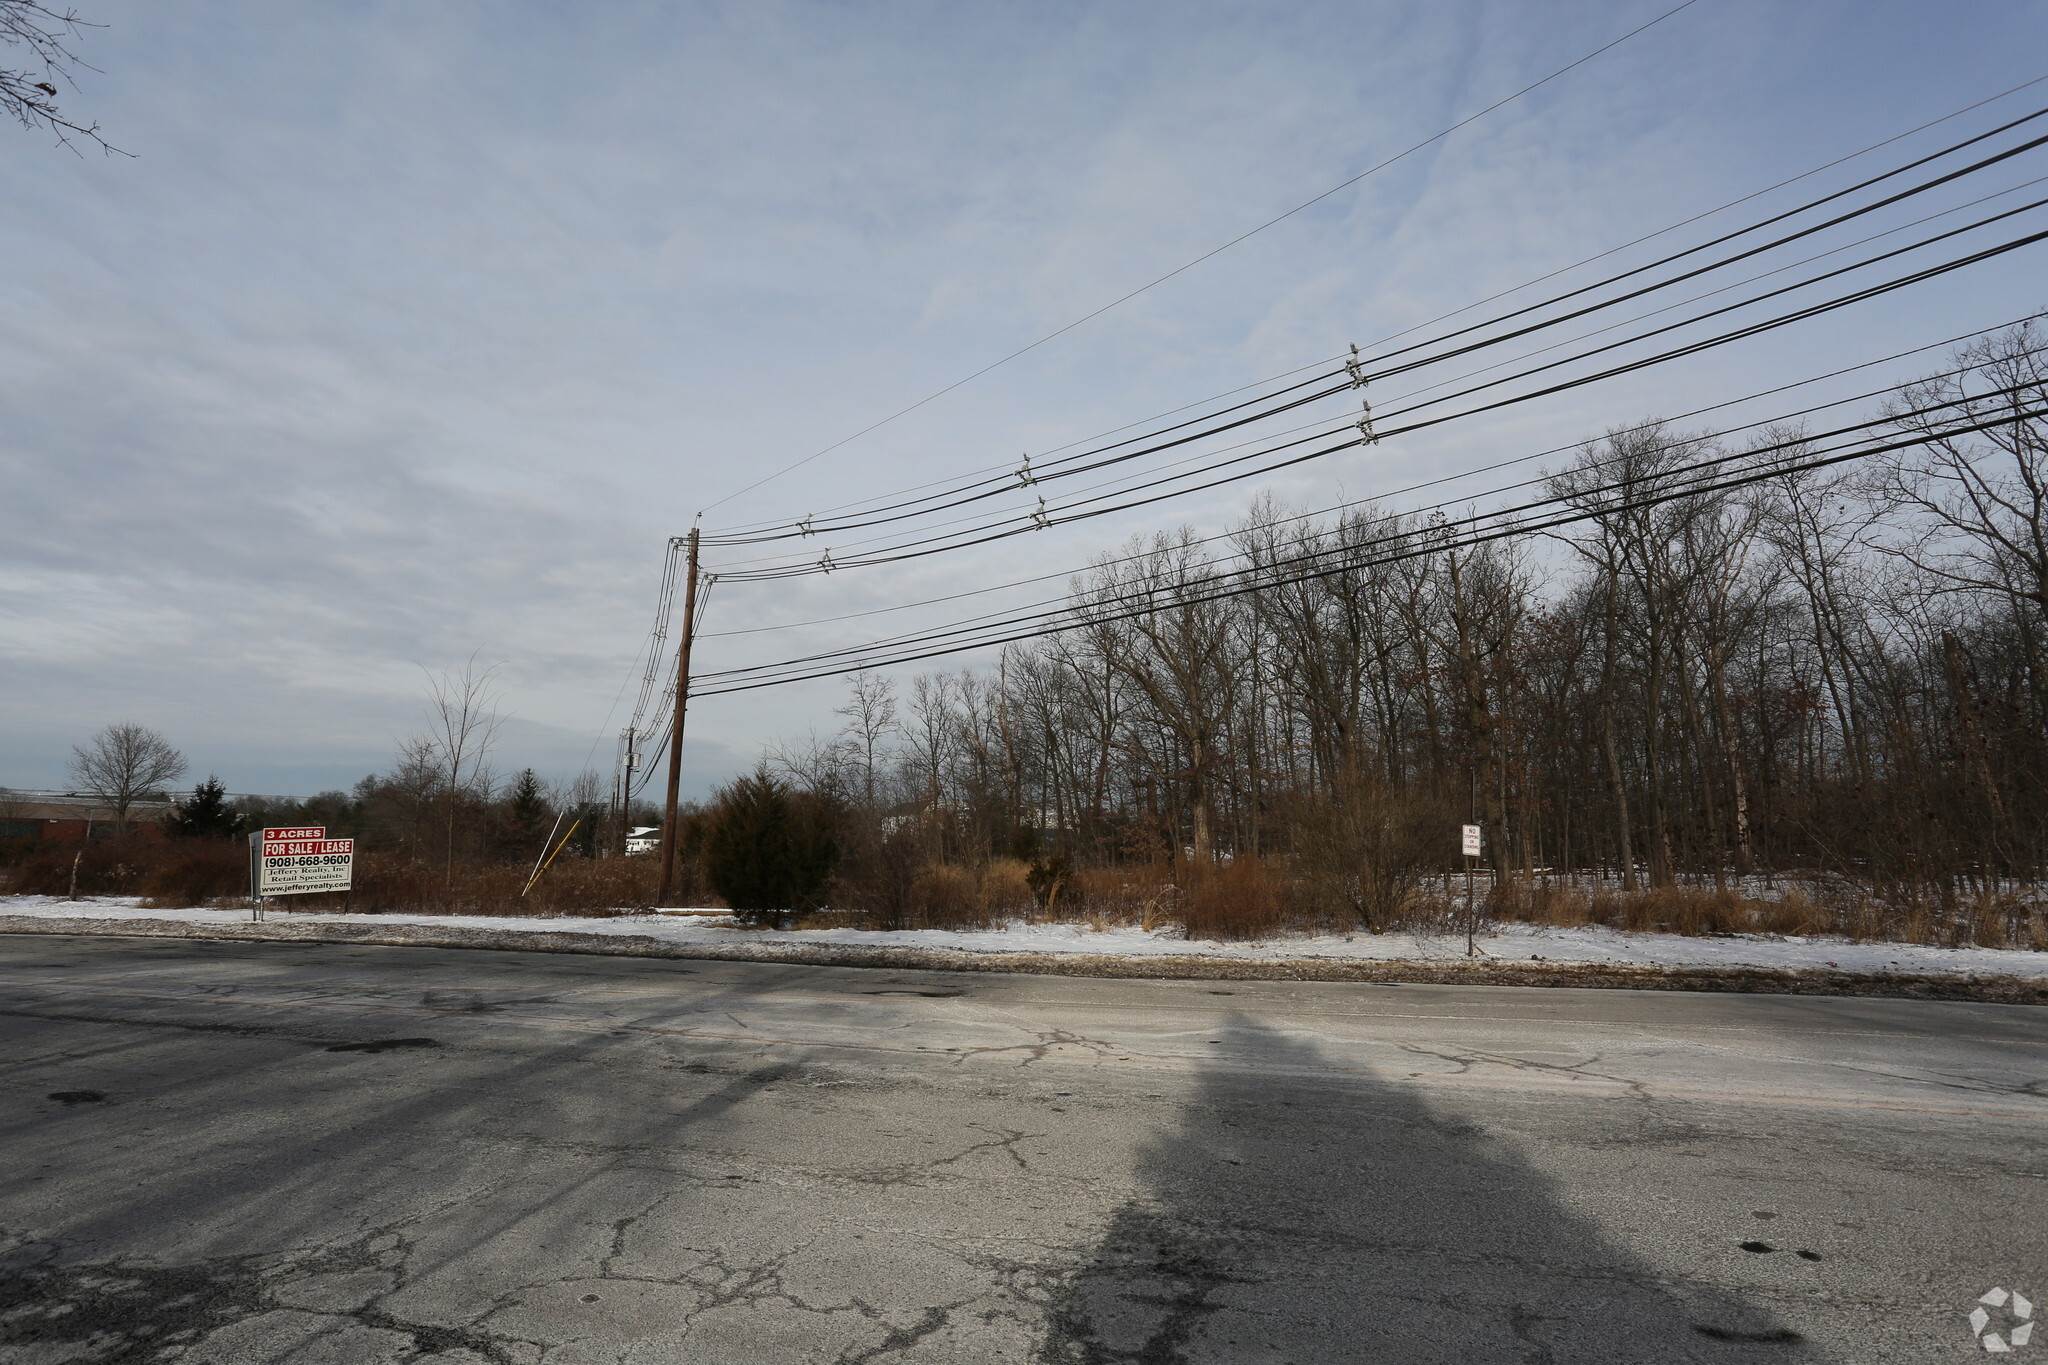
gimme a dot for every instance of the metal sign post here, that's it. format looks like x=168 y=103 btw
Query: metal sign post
x=1471 y=846
x=256 y=878
x=298 y=860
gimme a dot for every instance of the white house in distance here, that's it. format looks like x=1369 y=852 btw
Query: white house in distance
x=643 y=839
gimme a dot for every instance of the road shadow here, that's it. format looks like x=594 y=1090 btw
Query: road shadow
x=1302 y=1214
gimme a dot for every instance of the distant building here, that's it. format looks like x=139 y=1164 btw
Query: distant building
x=75 y=818
x=643 y=839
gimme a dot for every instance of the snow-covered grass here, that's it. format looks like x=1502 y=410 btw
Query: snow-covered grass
x=1503 y=943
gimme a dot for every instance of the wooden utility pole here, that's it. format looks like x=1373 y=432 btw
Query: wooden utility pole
x=675 y=738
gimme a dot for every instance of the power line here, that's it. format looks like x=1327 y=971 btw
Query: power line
x=1326 y=425
x=1066 y=514
x=1178 y=270
x=746 y=532
x=1434 y=542
x=1364 y=371
x=1418 y=487
x=1921 y=188
x=1019 y=616
x=1024 y=616
x=741 y=531
x=1344 y=507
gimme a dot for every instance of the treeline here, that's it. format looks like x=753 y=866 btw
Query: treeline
x=1816 y=701
x=422 y=844
x=415 y=811
x=1839 y=674
x=444 y=803
x=441 y=830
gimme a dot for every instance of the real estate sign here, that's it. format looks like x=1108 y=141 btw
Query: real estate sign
x=299 y=860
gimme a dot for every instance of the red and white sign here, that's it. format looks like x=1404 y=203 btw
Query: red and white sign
x=292 y=848
x=300 y=860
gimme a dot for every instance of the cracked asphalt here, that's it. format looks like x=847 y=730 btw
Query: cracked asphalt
x=220 y=1153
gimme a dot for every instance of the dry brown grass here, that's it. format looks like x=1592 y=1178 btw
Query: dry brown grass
x=1140 y=894
x=200 y=872
x=956 y=896
x=1006 y=887
x=168 y=872
x=1240 y=899
x=2001 y=919
x=1695 y=911
x=1245 y=898
x=1946 y=917
x=1555 y=903
x=177 y=874
x=942 y=897
x=576 y=886
x=1254 y=898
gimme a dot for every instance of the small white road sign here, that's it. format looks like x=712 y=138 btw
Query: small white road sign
x=1471 y=841
x=299 y=860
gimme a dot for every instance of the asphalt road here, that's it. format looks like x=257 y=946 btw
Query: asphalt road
x=231 y=1153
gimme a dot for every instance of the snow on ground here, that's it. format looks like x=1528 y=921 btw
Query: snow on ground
x=1514 y=942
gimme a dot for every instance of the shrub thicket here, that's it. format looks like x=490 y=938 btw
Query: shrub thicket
x=768 y=852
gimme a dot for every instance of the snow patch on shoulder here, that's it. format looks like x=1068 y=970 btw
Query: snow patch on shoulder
x=1508 y=943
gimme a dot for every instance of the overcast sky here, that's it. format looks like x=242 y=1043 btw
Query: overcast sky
x=411 y=331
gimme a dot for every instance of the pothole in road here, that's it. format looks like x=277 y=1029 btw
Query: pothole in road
x=473 y=1002
x=77 y=1096
x=384 y=1045
x=116 y=1312
x=1775 y=1334
x=928 y=995
x=460 y=1002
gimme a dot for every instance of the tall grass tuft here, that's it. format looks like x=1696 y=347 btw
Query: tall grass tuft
x=1237 y=900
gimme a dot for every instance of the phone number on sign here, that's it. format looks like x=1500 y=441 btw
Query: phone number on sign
x=313 y=860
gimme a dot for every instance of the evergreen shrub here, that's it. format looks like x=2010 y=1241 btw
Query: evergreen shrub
x=768 y=851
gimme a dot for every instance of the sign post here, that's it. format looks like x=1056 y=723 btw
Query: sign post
x=1471 y=846
x=298 y=860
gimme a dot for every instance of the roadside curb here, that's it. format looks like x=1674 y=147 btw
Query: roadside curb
x=2003 y=990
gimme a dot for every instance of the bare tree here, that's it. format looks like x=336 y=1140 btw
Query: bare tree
x=870 y=718
x=28 y=93
x=1182 y=664
x=819 y=765
x=933 y=734
x=1631 y=544
x=463 y=720
x=1985 y=494
x=586 y=789
x=931 y=730
x=1097 y=709
x=404 y=800
x=123 y=763
x=1840 y=674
